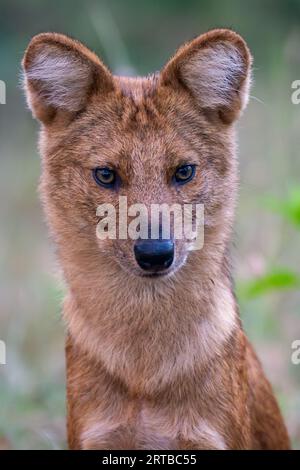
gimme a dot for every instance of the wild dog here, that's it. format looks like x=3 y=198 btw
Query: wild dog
x=156 y=354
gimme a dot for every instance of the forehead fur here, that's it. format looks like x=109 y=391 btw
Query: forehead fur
x=142 y=120
x=138 y=88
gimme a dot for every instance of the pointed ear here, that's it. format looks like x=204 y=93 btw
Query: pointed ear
x=60 y=76
x=216 y=69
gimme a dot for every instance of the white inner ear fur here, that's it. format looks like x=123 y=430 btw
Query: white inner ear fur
x=62 y=79
x=217 y=76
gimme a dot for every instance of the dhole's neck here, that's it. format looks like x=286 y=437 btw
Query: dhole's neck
x=150 y=334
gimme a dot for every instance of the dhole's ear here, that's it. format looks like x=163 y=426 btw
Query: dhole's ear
x=215 y=68
x=60 y=75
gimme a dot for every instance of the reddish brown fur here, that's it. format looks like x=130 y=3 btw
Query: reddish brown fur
x=151 y=363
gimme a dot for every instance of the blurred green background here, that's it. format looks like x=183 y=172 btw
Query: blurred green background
x=138 y=36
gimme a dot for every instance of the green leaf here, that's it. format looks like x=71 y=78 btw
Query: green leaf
x=275 y=280
x=289 y=208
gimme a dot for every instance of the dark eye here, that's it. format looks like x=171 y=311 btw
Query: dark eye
x=104 y=177
x=184 y=174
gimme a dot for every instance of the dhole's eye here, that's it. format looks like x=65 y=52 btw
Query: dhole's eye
x=104 y=177
x=184 y=174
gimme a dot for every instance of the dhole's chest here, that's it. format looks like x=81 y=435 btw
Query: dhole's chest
x=146 y=427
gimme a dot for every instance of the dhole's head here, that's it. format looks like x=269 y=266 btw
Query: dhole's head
x=167 y=138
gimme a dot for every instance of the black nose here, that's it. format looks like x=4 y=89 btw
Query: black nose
x=154 y=255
